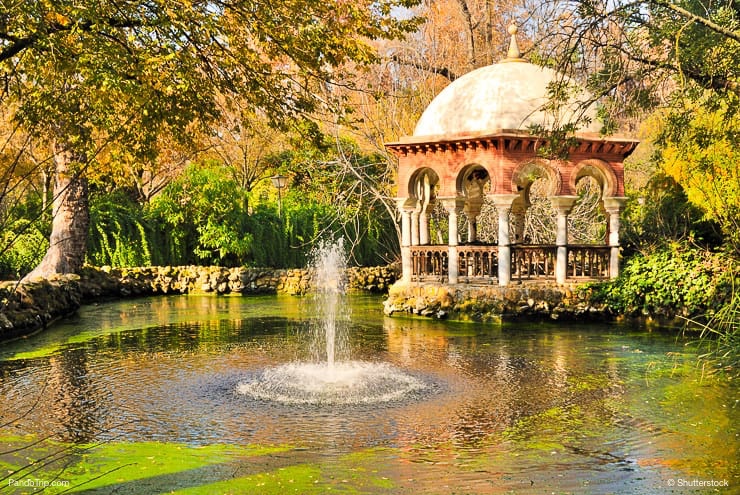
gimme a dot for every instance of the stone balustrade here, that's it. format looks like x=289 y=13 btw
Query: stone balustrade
x=478 y=264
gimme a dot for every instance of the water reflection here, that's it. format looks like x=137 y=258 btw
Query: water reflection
x=72 y=408
x=517 y=398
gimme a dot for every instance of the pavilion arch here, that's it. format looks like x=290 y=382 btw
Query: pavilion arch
x=422 y=185
x=599 y=171
x=421 y=197
x=472 y=181
x=525 y=174
x=472 y=185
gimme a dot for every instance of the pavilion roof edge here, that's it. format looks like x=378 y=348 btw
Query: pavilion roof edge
x=502 y=133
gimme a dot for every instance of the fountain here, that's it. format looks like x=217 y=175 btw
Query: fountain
x=331 y=378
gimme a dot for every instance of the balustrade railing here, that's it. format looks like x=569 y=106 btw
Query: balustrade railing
x=478 y=262
x=429 y=262
x=528 y=262
x=533 y=262
x=588 y=261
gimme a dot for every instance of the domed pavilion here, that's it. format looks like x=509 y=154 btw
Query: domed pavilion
x=479 y=138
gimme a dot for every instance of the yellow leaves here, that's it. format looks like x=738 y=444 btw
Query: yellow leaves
x=55 y=18
x=704 y=162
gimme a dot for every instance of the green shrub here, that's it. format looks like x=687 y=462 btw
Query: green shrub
x=22 y=246
x=719 y=342
x=118 y=232
x=203 y=216
x=672 y=281
x=660 y=214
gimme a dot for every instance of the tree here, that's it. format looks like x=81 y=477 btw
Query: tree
x=387 y=98
x=121 y=169
x=677 y=60
x=703 y=157
x=347 y=186
x=636 y=55
x=25 y=172
x=87 y=74
x=243 y=140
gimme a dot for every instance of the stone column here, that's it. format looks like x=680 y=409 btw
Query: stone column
x=518 y=211
x=424 y=227
x=415 y=227
x=453 y=207
x=424 y=194
x=405 y=240
x=563 y=205
x=472 y=209
x=603 y=211
x=472 y=229
x=613 y=207
x=503 y=204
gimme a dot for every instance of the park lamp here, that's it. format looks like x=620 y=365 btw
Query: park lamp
x=279 y=181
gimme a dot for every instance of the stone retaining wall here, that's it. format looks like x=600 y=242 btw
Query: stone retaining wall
x=494 y=303
x=198 y=279
x=33 y=305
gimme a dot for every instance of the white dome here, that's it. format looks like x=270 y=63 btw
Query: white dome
x=504 y=96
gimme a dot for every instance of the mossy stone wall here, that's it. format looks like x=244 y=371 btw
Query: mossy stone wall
x=493 y=303
x=33 y=305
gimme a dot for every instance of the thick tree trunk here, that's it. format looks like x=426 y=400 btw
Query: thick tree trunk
x=71 y=216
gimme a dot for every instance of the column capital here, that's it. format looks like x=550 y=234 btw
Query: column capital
x=614 y=205
x=503 y=200
x=455 y=204
x=407 y=204
x=563 y=203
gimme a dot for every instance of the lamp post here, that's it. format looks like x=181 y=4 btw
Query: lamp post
x=279 y=181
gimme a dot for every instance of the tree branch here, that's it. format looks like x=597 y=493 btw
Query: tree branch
x=17 y=46
x=717 y=83
x=442 y=71
x=733 y=35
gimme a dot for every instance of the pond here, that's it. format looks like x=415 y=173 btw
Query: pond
x=147 y=396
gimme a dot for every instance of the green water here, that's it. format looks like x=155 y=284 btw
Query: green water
x=141 y=397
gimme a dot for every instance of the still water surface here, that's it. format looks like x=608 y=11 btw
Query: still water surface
x=527 y=408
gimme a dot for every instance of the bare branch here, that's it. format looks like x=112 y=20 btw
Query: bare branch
x=442 y=71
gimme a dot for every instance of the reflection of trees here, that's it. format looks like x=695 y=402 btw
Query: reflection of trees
x=77 y=404
x=49 y=401
x=406 y=337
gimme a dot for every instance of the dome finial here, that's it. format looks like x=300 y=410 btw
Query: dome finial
x=514 y=54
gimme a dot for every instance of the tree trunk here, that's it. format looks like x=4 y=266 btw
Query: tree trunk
x=470 y=28
x=71 y=216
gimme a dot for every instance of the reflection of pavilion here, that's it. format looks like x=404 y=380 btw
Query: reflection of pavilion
x=470 y=145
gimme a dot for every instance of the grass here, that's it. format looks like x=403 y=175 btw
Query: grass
x=719 y=339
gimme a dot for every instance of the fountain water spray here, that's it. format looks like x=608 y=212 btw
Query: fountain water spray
x=331 y=379
x=329 y=265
